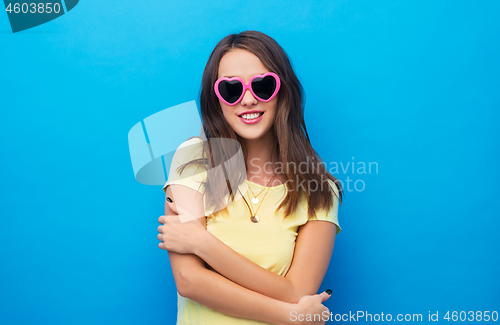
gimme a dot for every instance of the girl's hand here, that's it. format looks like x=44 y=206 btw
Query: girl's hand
x=181 y=233
x=310 y=310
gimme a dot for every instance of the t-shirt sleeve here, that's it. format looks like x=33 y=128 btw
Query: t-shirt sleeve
x=332 y=215
x=191 y=176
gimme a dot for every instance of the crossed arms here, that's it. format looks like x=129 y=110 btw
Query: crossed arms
x=235 y=290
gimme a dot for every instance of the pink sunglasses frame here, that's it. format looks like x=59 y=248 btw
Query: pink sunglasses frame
x=248 y=86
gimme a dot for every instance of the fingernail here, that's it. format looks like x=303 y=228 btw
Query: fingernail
x=329 y=291
x=169 y=200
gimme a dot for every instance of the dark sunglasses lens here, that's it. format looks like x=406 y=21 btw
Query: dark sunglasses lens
x=230 y=90
x=264 y=87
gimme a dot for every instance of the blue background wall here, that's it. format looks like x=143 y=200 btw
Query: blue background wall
x=413 y=86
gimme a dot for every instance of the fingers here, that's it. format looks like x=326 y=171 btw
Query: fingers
x=162 y=219
x=171 y=218
x=160 y=238
x=186 y=215
x=325 y=295
x=169 y=202
x=181 y=210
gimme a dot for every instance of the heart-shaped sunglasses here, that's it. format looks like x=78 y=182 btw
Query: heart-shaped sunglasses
x=262 y=86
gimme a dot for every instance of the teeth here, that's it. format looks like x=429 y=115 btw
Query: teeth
x=250 y=116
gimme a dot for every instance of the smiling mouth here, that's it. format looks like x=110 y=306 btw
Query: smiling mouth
x=251 y=116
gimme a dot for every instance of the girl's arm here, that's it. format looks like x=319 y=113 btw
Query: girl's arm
x=313 y=250
x=208 y=288
x=196 y=282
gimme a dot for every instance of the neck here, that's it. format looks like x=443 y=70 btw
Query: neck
x=261 y=160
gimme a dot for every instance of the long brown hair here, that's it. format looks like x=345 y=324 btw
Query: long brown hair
x=293 y=146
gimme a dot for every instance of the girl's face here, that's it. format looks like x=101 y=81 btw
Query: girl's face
x=244 y=64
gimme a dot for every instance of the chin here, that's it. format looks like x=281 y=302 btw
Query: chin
x=250 y=133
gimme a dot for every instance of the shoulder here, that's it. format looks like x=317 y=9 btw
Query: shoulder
x=185 y=164
x=188 y=150
x=191 y=143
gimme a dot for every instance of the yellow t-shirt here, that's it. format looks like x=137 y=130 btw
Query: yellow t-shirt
x=269 y=243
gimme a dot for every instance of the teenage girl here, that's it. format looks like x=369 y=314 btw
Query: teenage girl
x=262 y=257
